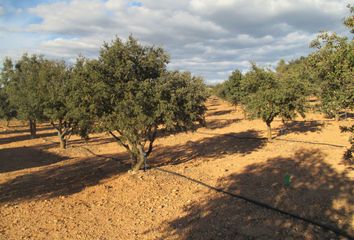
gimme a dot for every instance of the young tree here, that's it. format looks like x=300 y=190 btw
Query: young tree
x=136 y=96
x=268 y=96
x=25 y=89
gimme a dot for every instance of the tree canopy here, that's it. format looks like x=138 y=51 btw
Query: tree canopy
x=333 y=68
x=138 y=95
x=268 y=95
x=66 y=103
x=23 y=83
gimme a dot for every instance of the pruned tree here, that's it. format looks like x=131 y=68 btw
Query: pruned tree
x=137 y=96
x=268 y=96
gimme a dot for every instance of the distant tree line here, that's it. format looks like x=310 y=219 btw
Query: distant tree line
x=327 y=74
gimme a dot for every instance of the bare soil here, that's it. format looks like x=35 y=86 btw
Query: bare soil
x=86 y=192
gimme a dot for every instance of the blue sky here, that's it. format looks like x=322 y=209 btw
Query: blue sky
x=207 y=37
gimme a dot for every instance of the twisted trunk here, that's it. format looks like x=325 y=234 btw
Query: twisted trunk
x=139 y=162
x=33 y=128
x=138 y=151
x=64 y=132
x=63 y=141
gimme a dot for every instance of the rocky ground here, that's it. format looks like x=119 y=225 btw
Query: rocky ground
x=85 y=192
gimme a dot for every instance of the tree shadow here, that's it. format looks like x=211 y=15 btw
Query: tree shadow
x=25 y=137
x=210 y=147
x=92 y=141
x=60 y=180
x=25 y=130
x=213 y=102
x=220 y=123
x=13 y=159
x=316 y=192
x=346 y=115
x=219 y=113
x=299 y=127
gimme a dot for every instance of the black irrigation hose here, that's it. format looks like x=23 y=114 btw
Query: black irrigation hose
x=316 y=143
x=323 y=226
x=276 y=139
x=249 y=200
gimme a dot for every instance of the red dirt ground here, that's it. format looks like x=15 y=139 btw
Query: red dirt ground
x=82 y=193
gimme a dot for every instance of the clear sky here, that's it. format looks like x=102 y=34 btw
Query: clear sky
x=207 y=37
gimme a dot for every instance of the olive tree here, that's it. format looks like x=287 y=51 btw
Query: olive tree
x=136 y=96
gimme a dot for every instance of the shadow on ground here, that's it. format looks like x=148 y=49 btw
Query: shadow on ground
x=13 y=159
x=21 y=129
x=92 y=141
x=220 y=123
x=317 y=192
x=72 y=176
x=60 y=180
x=212 y=147
x=300 y=127
x=219 y=113
x=19 y=138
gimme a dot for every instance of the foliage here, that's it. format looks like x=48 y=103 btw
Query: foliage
x=137 y=96
x=232 y=88
x=349 y=21
x=268 y=95
x=65 y=102
x=348 y=155
x=7 y=111
x=24 y=86
x=333 y=66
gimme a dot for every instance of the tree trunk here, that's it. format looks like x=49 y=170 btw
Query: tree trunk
x=33 y=128
x=269 y=132
x=138 y=164
x=63 y=142
x=140 y=157
x=8 y=123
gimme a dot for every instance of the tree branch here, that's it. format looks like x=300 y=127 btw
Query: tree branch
x=152 y=139
x=119 y=140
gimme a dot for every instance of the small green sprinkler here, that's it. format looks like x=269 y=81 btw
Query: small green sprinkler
x=287 y=180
